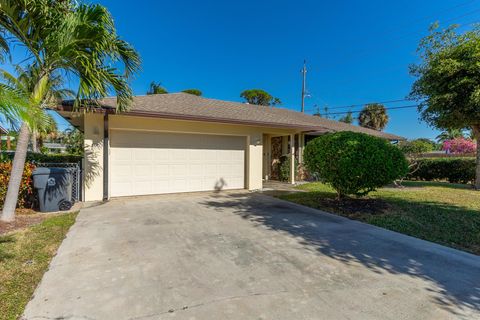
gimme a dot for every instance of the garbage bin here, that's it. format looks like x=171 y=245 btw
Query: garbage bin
x=54 y=188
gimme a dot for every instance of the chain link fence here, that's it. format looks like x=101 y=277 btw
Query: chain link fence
x=76 y=176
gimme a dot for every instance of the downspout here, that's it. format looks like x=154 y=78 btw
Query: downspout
x=106 y=151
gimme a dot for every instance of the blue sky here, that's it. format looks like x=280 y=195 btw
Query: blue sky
x=357 y=51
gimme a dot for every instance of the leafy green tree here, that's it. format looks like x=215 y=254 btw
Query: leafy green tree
x=416 y=146
x=348 y=118
x=77 y=41
x=373 y=116
x=259 y=97
x=73 y=138
x=156 y=88
x=195 y=92
x=448 y=82
x=449 y=134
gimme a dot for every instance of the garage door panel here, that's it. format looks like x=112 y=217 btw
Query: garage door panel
x=153 y=163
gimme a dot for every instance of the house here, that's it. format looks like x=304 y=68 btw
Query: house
x=170 y=143
x=5 y=136
x=55 y=147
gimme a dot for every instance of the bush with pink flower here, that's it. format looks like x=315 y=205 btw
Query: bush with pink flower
x=459 y=146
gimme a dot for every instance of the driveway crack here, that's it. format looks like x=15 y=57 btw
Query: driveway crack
x=213 y=301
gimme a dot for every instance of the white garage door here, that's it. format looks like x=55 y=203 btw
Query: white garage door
x=152 y=163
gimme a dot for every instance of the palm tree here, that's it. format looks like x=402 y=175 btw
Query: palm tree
x=156 y=88
x=449 y=134
x=47 y=132
x=53 y=92
x=373 y=116
x=64 y=40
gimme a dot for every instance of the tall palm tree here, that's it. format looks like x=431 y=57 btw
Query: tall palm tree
x=69 y=40
x=373 y=116
x=156 y=88
x=52 y=89
x=449 y=134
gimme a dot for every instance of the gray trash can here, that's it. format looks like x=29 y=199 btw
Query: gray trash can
x=54 y=188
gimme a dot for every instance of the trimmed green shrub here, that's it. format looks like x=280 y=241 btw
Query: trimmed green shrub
x=43 y=158
x=354 y=163
x=454 y=170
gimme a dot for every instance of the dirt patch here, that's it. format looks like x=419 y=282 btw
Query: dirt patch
x=24 y=218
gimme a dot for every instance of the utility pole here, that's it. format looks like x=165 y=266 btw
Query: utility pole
x=304 y=80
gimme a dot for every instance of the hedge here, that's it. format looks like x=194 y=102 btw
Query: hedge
x=454 y=170
x=43 y=158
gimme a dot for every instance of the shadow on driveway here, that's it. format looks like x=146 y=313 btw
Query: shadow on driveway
x=454 y=274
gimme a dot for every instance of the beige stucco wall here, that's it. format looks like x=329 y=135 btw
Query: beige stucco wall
x=94 y=145
x=93 y=159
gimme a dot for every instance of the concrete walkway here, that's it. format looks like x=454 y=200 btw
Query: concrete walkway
x=247 y=256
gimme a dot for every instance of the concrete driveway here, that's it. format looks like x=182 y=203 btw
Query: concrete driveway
x=247 y=256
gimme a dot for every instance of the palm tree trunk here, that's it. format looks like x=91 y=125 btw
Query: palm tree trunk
x=8 y=213
x=476 y=133
x=34 y=141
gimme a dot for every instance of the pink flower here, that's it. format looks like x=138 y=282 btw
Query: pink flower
x=459 y=146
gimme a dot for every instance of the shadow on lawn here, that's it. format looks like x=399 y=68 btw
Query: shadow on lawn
x=3 y=254
x=422 y=184
x=456 y=281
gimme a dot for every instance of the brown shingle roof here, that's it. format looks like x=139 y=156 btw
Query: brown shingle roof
x=187 y=106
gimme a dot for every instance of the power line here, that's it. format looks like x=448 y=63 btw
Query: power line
x=364 y=104
x=391 y=44
x=424 y=18
x=358 y=111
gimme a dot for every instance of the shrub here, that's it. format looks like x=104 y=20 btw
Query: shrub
x=43 y=158
x=354 y=163
x=454 y=170
x=25 y=195
x=284 y=173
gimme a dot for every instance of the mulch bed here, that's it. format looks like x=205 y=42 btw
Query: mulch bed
x=356 y=207
x=23 y=219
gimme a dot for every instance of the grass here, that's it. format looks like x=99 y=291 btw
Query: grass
x=448 y=214
x=24 y=258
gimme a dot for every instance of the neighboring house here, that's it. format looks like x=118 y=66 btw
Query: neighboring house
x=182 y=143
x=55 y=147
x=5 y=139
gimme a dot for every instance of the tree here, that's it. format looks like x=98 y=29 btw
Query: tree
x=195 y=92
x=73 y=138
x=449 y=134
x=416 y=146
x=448 y=82
x=373 y=116
x=156 y=88
x=76 y=41
x=259 y=97
x=47 y=95
x=348 y=118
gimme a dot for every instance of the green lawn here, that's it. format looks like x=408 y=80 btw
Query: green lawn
x=24 y=257
x=448 y=214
